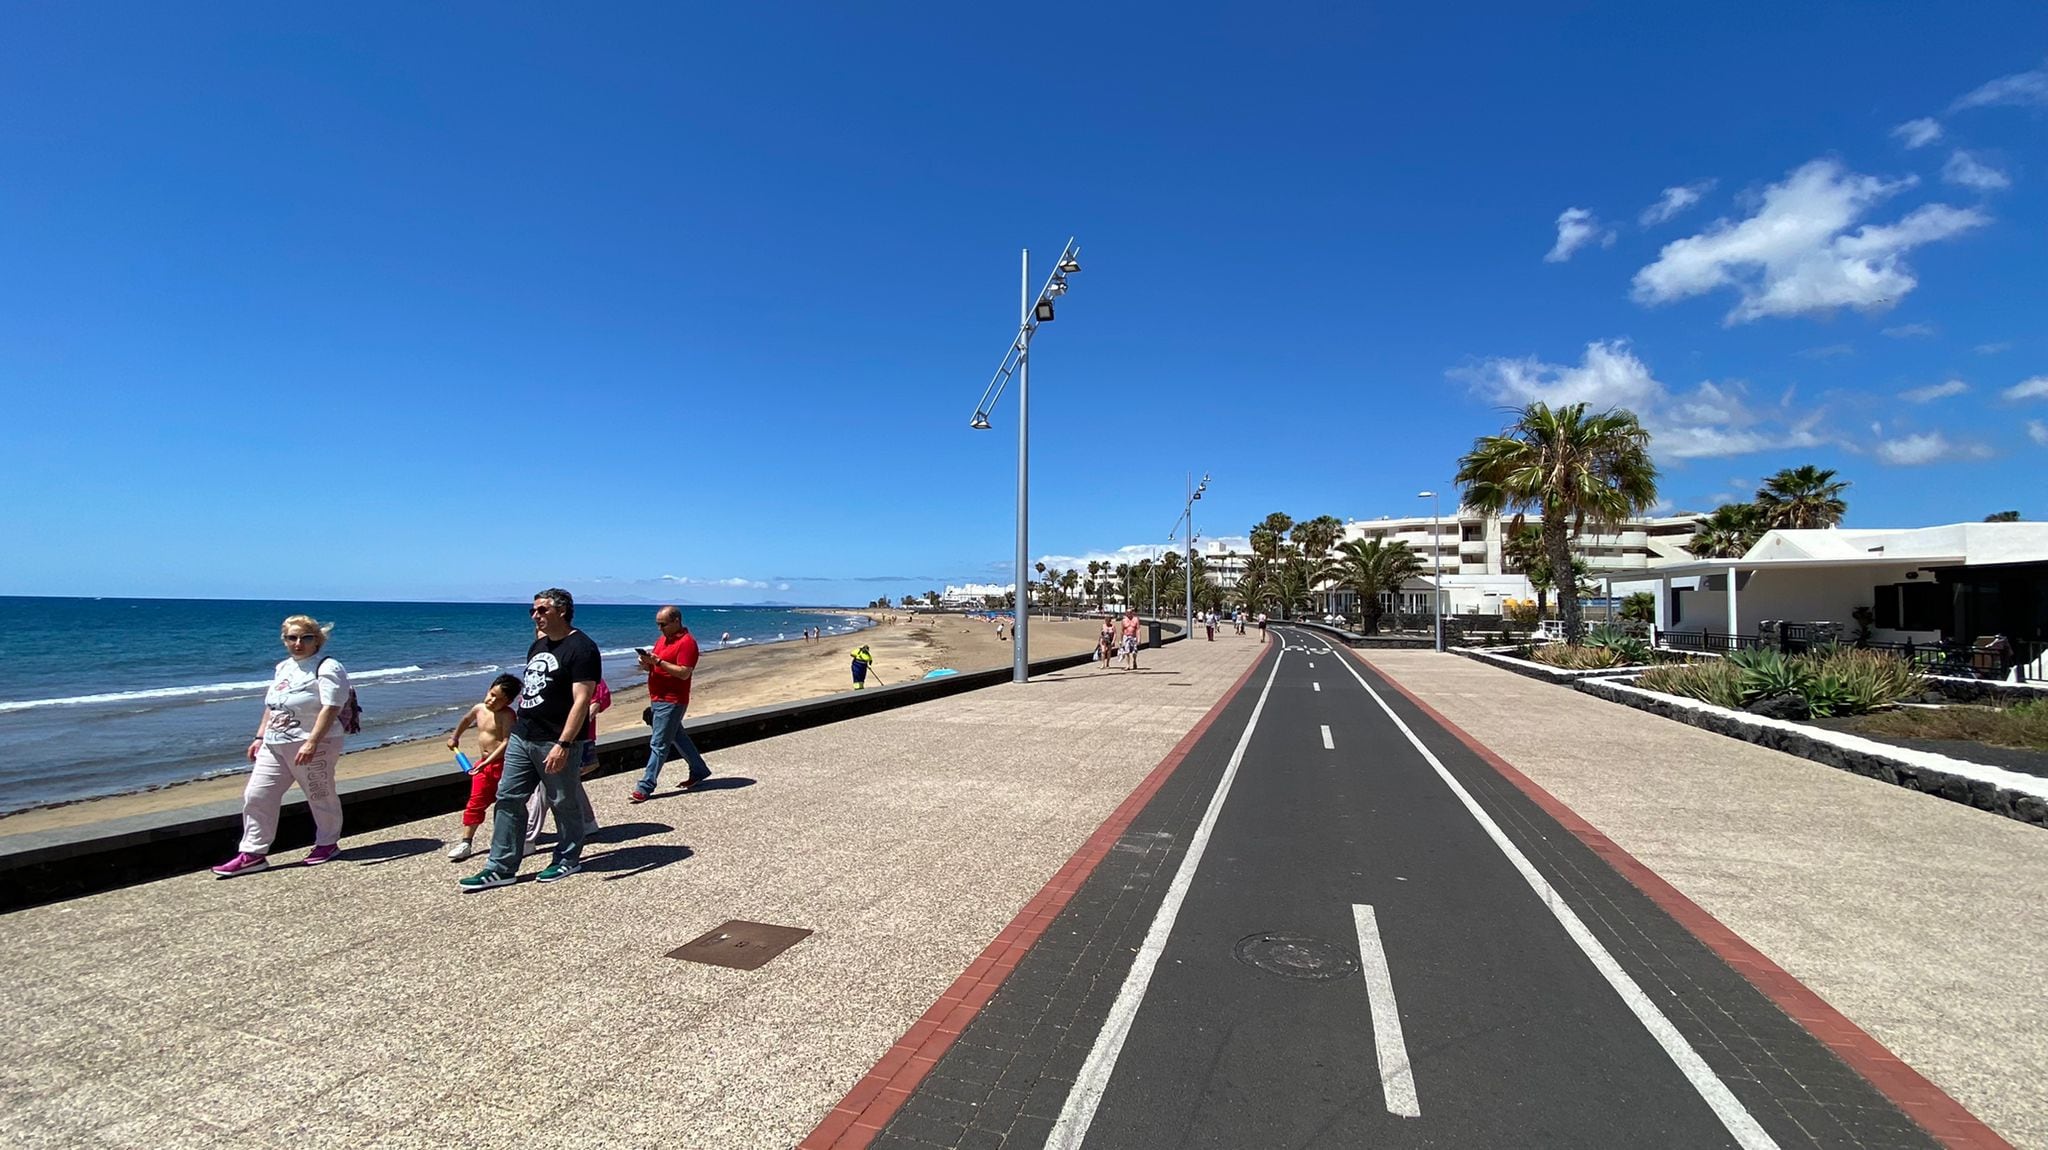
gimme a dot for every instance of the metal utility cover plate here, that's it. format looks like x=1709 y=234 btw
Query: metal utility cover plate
x=740 y=945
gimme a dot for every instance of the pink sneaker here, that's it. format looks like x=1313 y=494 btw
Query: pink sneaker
x=243 y=863
x=322 y=854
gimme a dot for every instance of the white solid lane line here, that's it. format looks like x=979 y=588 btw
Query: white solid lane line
x=1396 y=1082
x=1079 y=1111
x=1327 y=744
x=1725 y=1105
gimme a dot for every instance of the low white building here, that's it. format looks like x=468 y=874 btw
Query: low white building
x=1957 y=584
x=973 y=596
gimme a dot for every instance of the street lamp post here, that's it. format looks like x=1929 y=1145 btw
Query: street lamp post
x=1188 y=513
x=1436 y=550
x=1017 y=361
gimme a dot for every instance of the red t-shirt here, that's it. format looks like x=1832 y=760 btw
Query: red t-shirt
x=666 y=688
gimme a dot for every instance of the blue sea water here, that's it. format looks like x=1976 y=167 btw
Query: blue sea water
x=104 y=696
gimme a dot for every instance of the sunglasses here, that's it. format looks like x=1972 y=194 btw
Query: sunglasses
x=541 y=610
x=300 y=638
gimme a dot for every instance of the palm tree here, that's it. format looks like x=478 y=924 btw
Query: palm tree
x=1253 y=584
x=1523 y=550
x=1569 y=467
x=2002 y=517
x=1268 y=533
x=1728 y=533
x=1371 y=566
x=1167 y=572
x=1804 y=496
x=1094 y=586
x=1148 y=573
x=1069 y=579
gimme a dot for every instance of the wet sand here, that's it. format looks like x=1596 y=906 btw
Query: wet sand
x=735 y=679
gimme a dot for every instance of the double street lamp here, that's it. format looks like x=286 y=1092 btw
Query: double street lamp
x=1436 y=549
x=1188 y=514
x=1017 y=362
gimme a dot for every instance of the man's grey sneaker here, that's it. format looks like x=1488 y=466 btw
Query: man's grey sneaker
x=484 y=880
x=558 y=871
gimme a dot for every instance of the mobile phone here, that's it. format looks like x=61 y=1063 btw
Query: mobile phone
x=640 y=651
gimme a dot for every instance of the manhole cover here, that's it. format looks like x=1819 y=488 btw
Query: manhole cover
x=1295 y=956
x=740 y=945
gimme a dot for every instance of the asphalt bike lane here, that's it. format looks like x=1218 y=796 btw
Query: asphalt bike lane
x=1339 y=844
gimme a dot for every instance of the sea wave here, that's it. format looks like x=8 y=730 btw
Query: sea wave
x=202 y=689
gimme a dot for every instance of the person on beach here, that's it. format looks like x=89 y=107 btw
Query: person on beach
x=1131 y=640
x=724 y=637
x=537 y=806
x=492 y=719
x=297 y=741
x=562 y=670
x=863 y=661
x=670 y=665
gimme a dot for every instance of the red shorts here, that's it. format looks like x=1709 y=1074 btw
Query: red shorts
x=483 y=791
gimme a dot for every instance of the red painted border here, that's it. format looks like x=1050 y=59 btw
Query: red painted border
x=1921 y=1100
x=874 y=1100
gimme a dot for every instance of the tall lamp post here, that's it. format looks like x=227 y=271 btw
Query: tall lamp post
x=1188 y=514
x=1436 y=550
x=1017 y=362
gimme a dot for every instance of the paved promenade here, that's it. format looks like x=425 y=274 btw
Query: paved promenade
x=1921 y=920
x=367 y=1002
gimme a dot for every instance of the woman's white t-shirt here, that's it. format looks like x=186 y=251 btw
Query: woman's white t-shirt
x=297 y=692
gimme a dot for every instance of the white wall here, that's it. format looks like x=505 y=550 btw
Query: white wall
x=1825 y=594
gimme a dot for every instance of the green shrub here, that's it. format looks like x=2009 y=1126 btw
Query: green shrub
x=1834 y=681
x=1567 y=658
x=1629 y=649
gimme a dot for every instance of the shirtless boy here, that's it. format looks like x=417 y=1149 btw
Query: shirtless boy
x=492 y=719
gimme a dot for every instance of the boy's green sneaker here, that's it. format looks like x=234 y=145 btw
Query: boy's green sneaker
x=558 y=871
x=484 y=880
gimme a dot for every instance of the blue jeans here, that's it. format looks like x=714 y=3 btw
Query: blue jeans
x=668 y=740
x=524 y=770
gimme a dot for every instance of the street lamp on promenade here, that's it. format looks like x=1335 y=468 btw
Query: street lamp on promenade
x=1188 y=514
x=1436 y=550
x=1017 y=362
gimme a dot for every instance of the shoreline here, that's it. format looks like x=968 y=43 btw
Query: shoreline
x=735 y=678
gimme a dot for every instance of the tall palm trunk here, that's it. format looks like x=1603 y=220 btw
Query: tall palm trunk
x=1557 y=545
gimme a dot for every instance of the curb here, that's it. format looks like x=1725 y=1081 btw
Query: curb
x=2016 y=796
x=867 y=1108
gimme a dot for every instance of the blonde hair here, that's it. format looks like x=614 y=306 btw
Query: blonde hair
x=306 y=623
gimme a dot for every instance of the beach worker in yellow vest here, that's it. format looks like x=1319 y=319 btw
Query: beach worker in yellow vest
x=863 y=662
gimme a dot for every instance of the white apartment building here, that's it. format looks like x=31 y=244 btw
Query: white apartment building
x=1470 y=545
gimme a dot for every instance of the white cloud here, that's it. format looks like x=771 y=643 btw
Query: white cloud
x=1576 y=227
x=1910 y=330
x=1713 y=419
x=2034 y=388
x=1831 y=351
x=1797 y=256
x=2022 y=88
x=2038 y=432
x=687 y=581
x=1674 y=201
x=1993 y=348
x=1919 y=133
x=1929 y=447
x=1935 y=391
x=782 y=586
x=1970 y=172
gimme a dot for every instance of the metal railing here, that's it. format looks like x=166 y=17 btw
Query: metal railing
x=1707 y=642
x=2024 y=662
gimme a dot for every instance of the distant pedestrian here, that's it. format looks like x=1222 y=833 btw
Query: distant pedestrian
x=724 y=637
x=562 y=670
x=670 y=665
x=1209 y=622
x=863 y=662
x=492 y=719
x=1106 y=644
x=1131 y=640
x=298 y=740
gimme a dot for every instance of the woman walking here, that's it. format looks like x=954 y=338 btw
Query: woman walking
x=299 y=740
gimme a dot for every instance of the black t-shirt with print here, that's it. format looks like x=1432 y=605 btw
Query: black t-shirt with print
x=553 y=667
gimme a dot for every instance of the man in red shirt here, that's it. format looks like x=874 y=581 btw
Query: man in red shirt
x=669 y=666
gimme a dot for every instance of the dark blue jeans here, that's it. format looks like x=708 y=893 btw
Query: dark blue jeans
x=524 y=762
x=668 y=740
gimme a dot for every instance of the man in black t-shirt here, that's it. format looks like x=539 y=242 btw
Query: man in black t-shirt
x=562 y=669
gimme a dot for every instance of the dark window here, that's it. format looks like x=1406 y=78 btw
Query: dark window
x=1678 y=604
x=1886 y=597
x=1925 y=607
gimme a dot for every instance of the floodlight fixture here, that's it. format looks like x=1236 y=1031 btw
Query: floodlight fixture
x=979 y=422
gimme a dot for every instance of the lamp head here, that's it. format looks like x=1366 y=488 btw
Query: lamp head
x=1069 y=265
x=1044 y=310
x=1425 y=495
x=979 y=422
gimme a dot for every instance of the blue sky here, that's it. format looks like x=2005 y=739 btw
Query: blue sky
x=445 y=301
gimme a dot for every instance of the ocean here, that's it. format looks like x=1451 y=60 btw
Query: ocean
x=106 y=696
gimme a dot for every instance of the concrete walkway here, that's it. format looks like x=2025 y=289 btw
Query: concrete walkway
x=367 y=1002
x=1921 y=920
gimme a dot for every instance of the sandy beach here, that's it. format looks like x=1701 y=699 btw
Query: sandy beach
x=734 y=679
